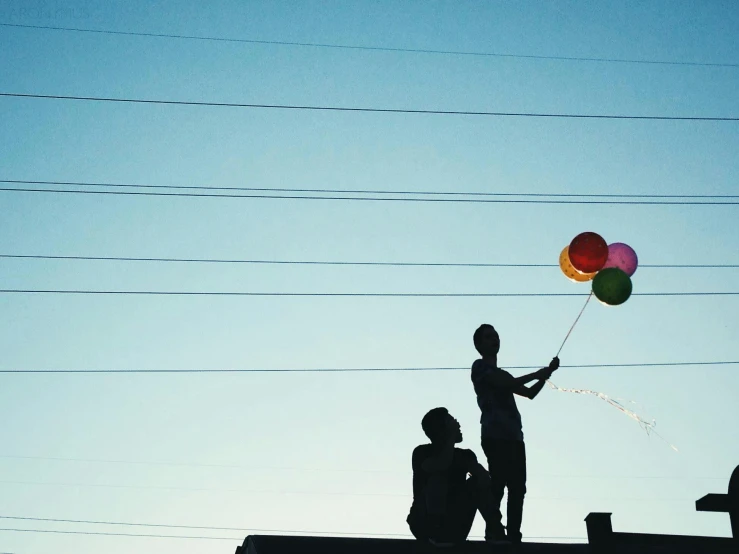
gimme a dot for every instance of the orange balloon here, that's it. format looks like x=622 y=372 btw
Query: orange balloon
x=570 y=272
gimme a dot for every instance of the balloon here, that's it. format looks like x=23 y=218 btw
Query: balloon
x=570 y=272
x=588 y=252
x=622 y=256
x=612 y=286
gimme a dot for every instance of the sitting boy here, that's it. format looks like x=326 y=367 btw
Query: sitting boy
x=445 y=499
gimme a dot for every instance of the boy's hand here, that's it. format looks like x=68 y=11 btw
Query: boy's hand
x=546 y=372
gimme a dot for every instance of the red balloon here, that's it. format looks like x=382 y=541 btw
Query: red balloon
x=588 y=252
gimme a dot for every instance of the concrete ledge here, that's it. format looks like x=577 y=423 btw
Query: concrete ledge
x=270 y=544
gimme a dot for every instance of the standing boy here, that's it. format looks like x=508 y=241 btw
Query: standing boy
x=502 y=434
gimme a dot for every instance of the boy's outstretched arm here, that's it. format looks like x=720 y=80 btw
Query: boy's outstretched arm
x=500 y=379
x=532 y=391
x=503 y=381
x=544 y=374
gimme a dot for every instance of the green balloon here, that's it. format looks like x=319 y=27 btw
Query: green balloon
x=612 y=286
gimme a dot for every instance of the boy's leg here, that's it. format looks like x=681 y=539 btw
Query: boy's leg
x=417 y=522
x=516 y=488
x=495 y=454
x=437 y=507
x=481 y=494
x=463 y=506
x=428 y=527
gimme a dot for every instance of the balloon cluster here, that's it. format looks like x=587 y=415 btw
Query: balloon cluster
x=610 y=267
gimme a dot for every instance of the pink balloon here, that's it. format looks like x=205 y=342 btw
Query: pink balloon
x=623 y=257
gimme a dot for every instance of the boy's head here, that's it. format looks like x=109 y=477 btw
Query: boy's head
x=440 y=426
x=486 y=339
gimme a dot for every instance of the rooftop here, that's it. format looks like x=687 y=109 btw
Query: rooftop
x=269 y=544
x=601 y=538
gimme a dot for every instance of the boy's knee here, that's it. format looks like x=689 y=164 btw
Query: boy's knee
x=472 y=482
x=474 y=486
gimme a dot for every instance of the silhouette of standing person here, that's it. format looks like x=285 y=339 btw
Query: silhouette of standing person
x=445 y=500
x=502 y=432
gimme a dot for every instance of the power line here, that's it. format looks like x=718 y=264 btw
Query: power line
x=306 y=370
x=374 y=198
x=204 y=489
x=362 y=110
x=374 y=48
x=192 y=464
x=211 y=528
x=308 y=493
x=292 y=262
x=346 y=294
x=316 y=493
x=232 y=538
x=365 y=191
x=359 y=370
x=118 y=534
x=330 y=469
x=332 y=263
x=203 y=527
x=319 y=533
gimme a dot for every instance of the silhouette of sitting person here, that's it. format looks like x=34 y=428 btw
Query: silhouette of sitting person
x=445 y=499
x=502 y=434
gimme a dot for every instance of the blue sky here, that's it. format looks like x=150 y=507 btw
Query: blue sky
x=331 y=451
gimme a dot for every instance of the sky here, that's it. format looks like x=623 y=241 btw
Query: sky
x=329 y=452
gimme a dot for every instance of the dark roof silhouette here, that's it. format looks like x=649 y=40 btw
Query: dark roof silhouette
x=269 y=544
x=602 y=539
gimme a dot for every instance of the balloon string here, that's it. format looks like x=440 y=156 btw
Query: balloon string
x=576 y=320
x=645 y=424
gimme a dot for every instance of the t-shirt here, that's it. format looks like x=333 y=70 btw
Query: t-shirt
x=500 y=417
x=456 y=474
